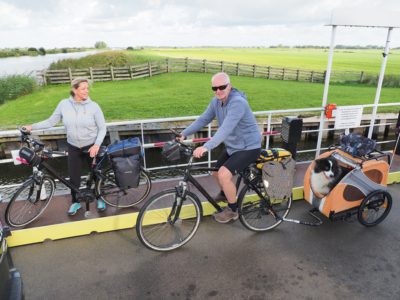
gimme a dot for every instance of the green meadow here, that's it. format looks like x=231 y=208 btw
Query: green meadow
x=368 y=60
x=184 y=94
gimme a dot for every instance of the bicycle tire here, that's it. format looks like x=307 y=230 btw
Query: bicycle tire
x=26 y=205
x=254 y=213
x=156 y=232
x=374 y=208
x=108 y=190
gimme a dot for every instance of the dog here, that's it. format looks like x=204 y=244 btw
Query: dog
x=324 y=176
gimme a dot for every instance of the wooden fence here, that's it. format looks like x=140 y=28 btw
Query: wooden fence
x=170 y=65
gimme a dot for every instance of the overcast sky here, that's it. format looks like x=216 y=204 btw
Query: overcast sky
x=122 y=23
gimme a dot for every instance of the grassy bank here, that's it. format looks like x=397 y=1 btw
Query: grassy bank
x=183 y=94
x=106 y=59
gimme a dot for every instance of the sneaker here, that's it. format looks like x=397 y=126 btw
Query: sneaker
x=226 y=215
x=221 y=198
x=101 y=205
x=74 y=208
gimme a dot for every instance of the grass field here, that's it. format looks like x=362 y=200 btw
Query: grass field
x=296 y=58
x=184 y=94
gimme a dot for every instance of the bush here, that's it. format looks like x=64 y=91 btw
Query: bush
x=388 y=81
x=14 y=86
x=99 y=60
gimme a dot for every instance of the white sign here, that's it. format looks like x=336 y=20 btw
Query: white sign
x=348 y=116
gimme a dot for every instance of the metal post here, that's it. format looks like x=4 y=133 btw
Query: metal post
x=380 y=81
x=269 y=130
x=326 y=89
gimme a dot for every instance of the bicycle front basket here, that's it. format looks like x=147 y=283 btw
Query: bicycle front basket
x=30 y=156
x=171 y=151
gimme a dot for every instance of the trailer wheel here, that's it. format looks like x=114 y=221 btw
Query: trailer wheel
x=374 y=208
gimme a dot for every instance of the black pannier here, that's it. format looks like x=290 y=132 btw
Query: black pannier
x=127 y=171
x=29 y=155
x=128 y=147
x=126 y=158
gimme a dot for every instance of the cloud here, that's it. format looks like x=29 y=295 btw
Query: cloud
x=60 y=23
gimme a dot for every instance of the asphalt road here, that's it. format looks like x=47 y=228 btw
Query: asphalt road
x=337 y=260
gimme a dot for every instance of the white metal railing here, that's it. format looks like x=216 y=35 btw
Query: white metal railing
x=268 y=125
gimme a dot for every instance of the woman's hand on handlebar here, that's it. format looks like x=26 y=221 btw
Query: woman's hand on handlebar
x=27 y=128
x=94 y=150
x=199 y=151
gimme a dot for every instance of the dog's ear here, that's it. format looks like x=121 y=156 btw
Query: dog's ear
x=317 y=165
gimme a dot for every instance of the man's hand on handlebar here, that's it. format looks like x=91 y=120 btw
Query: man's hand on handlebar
x=199 y=151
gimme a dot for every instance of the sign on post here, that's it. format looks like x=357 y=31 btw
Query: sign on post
x=348 y=116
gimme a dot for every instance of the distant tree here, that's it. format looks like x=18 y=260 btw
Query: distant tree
x=100 y=45
x=32 y=49
x=42 y=51
x=129 y=48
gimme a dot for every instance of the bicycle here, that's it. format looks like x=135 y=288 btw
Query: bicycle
x=169 y=219
x=35 y=194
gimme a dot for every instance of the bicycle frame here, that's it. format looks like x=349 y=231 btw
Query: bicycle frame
x=188 y=177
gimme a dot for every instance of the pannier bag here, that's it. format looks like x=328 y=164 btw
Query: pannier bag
x=271 y=154
x=278 y=176
x=127 y=171
x=128 y=147
x=171 y=151
x=357 y=145
x=29 y=155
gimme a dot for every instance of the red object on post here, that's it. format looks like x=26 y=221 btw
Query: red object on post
x=330 y=110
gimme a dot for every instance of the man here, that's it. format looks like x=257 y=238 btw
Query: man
x=238 y=131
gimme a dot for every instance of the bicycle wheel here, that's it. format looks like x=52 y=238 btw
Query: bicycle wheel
x=261 y=214
x=106 y=187
x=374 y=208
x=29 y=202
x=164 y=225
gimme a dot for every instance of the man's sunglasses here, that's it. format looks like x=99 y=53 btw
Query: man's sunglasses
x=221 y=87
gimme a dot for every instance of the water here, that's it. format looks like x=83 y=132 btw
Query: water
x=29 y=64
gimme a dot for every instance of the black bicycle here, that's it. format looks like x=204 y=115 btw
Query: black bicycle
x=35 y=194
x=169 y=219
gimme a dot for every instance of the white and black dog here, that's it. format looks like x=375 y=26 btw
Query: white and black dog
x=325 y=175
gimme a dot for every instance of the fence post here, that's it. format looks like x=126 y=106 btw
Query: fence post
x=131 y=71
x=204 y=66
x=187 y=64
x=149 y=66
x=254 y=70
x=297 y=75
x=167 y=65
x=222 y=66
x=70 y=75
x=283 y=73
x=112 y=73
x=361 y=76
x=91 y=73
x=44 y=77
x=312 y=76
x=237 y=69
x=269 y=72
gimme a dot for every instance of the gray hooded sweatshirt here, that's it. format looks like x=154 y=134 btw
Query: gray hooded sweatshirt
x=84 y=122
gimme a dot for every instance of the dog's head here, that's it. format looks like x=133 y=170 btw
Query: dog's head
x=328 y=166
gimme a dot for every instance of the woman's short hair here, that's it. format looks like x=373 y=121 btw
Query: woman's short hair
x=76 y=82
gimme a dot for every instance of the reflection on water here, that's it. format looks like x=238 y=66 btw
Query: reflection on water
x=28 y=64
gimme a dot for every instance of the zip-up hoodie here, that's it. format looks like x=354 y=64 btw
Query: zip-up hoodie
x=238 y=128
x=84 y=122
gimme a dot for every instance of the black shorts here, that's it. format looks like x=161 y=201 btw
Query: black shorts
x=238 y=161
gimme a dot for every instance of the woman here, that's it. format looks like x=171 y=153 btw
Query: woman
x=85 y=126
